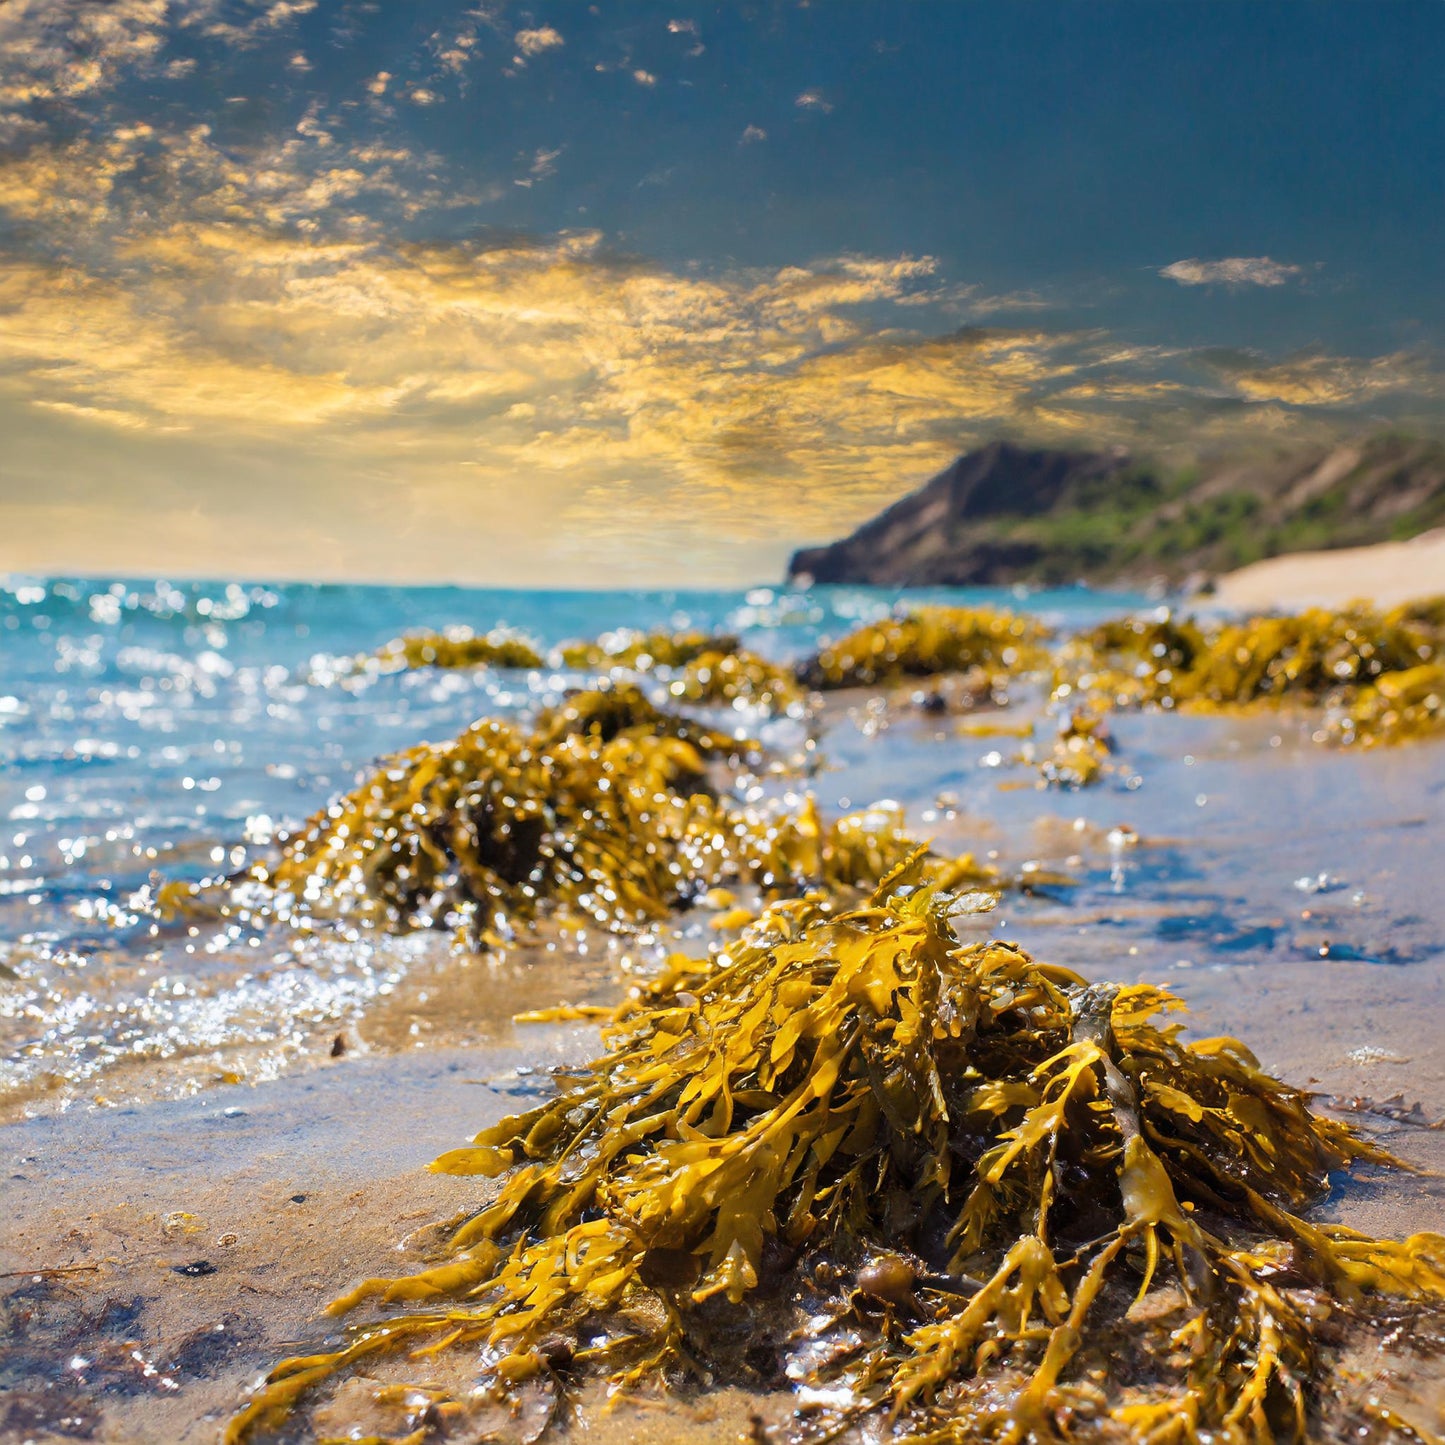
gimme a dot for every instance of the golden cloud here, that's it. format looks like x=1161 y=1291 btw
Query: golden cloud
x=1318 y=380
x=248 y=335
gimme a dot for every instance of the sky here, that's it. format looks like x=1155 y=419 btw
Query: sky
x=650 y=294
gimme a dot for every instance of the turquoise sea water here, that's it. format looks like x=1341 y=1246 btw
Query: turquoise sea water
x=151 y=730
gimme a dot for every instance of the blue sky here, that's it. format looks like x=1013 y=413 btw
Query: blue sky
x=506 y=292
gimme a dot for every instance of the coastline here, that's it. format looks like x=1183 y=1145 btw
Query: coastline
x=1387 y=574
x=1317 y=945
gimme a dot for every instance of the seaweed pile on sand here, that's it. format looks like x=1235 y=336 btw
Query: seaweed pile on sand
x=1379 y=676
x=938 y=1187
x=740 y=678
x=608 y=808
x=457 y=647
x=645 y=651
x=928 y=641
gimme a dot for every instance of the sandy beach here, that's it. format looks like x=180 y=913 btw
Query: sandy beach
x=189 y=1238
x=211 y=1133
x=1387 y=575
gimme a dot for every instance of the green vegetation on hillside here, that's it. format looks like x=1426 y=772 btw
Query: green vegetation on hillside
x=1004 y=514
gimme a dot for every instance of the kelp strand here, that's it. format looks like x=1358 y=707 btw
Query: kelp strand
x=934 y=1182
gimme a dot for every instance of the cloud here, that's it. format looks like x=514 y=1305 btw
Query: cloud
x=60 y=50
x=543 y=164
x=266 y=16
x=258 y=354
x=534 y=42
x=814 y=100
x=455 y=51
x=454 y=371
x=644 y=77
x=688 y=27
x=581 y=409
x=1317 y=380
x=99 y=193
x=1232 y=271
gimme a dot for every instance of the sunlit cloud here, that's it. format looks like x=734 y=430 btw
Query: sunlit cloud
x=63 y=49
x=752 y=135
x=543 y=164
x=1318 y=380
x=534 y=42
x=688 y=27
x=814 y=100
x=264 y=17
x=741 y=410
x=1232 y=271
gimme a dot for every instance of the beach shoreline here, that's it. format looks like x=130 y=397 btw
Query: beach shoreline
x=1309 y=945
x=1387 y=574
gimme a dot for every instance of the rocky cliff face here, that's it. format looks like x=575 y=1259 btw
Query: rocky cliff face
x=931 y=538
x=1007 y=514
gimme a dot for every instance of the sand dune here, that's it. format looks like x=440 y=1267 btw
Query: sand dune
x=1386 y=574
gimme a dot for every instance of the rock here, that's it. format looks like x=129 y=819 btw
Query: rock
x=929 y=538
x=1005 y=514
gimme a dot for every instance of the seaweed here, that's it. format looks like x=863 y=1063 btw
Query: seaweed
x=454 y=648
x=460 y=647
x=1082 y=748
x=927 y=641
x=937 y=1183
x=1379 y=675
x=740 y=678
x=644 y=651
x=606 y=808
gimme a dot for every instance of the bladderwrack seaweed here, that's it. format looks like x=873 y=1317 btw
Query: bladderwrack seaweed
x=937 y=1182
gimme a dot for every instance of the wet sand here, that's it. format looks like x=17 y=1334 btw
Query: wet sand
x=1387 y=575
x=1289 y=893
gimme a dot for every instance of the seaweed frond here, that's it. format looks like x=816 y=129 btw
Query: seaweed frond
x=928 y=641
x=935 y=1182
x=1379 y=675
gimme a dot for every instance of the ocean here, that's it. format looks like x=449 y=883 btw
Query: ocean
x=263 y=1101
x=151 y=730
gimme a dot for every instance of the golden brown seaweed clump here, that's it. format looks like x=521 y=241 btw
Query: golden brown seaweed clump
x=605 y=808
x=436 y=649
x=457 y=647
x=643 y=651
x=928 y=641
x=1380 y=675
x=739 y=677
x=939 y=1183
x=1081 y=749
